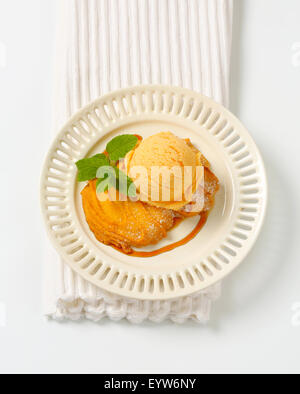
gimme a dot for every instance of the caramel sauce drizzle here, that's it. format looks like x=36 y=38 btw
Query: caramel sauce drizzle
x=168 y=248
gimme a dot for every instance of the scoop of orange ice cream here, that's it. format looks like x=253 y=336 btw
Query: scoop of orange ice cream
x=171 y=170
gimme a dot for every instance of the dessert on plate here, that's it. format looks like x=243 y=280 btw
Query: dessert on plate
x=139 y=190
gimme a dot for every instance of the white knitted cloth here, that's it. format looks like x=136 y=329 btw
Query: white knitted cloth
x=103 y=45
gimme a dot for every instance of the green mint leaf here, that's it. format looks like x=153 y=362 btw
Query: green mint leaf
x=125 y=184
x=113 y=177
x=120 y=146
x=87 y=168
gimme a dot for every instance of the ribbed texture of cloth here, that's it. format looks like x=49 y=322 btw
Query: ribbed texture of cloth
x=104 y=45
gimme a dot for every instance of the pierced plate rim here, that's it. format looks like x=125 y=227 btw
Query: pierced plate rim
x=113 y=277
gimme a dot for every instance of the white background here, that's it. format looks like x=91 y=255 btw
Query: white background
x=252 y=328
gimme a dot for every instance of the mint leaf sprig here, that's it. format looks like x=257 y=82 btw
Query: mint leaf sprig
x=118 y=148
x=93 y=167
x=87 y=168
x=113 y=177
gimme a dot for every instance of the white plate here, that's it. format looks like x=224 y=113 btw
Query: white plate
x=232 y=227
